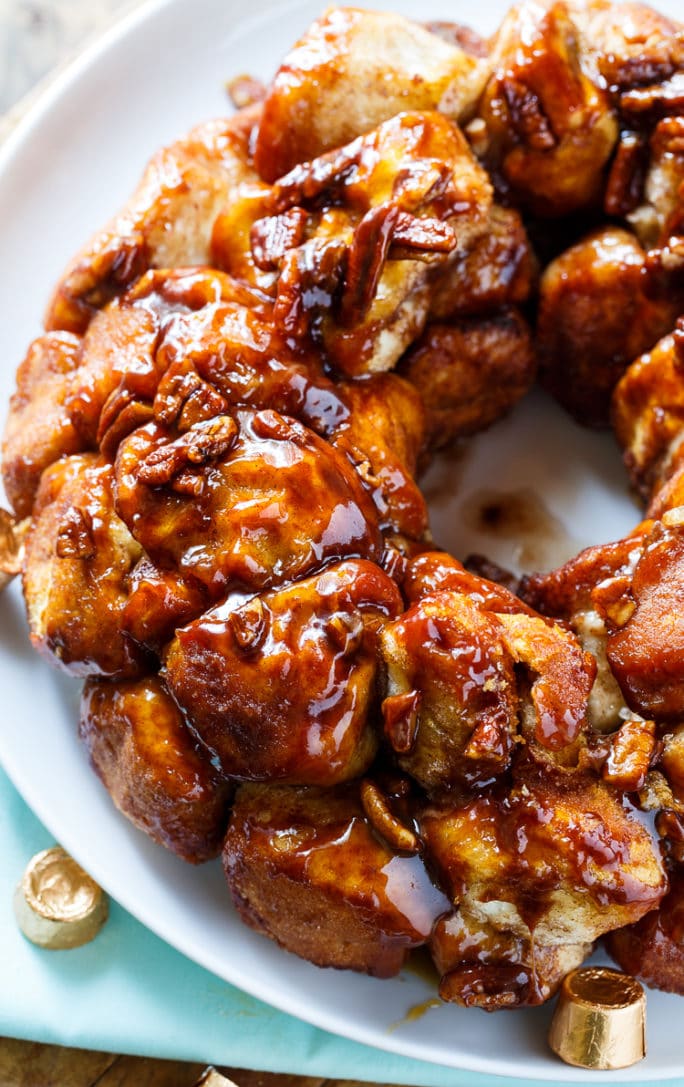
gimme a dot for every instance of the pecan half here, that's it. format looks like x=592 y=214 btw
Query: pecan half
x=385 y=822
x=625 y=186
x=527 y=116
x=204 y=442
x=272 y=237
x=74 y=536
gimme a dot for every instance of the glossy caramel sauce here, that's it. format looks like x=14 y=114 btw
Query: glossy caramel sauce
x=284 y=685
x=416 y=1012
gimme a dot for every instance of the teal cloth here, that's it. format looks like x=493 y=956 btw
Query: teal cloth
x=129 y=992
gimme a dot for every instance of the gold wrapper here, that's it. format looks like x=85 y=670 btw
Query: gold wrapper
x=600 y=1019
x=57 y=904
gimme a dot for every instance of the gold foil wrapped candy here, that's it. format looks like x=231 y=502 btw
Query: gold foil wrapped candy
x=57 y=904
x=600 y=1019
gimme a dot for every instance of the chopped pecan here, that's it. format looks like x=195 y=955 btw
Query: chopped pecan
x=120 y=262
x=205 y=441
x=664 y=268
x=272 y=425
x=311 y=272
x=132 y=415
x=174 y=389
x=625 y=186
x=659 y=99
x=361 y=463
x=429 y=235
x=658 y=61
x=613 y=600
x=210 y=439
x=489 y=741
x=249 y=625
x=423 y=181
x=669 y=825
x=382 y=229
x=272 y=237
x=346 y=631
x=188 y=482
x=668 y=137
x=74 y=536
x=184 y=399
x=367 y=255
x=385 y=822
x=488 y=986
x=527 y=116
x=656 y=793
x=620 y=611
x=306 y=182
x=245 y=90
x=632 y=749
x=203 y=404
x=400 y=714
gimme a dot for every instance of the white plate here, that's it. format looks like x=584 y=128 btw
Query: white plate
x=62 y=174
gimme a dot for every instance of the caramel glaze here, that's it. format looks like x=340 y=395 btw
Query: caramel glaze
x=203 y=501
x=522 y=824
x=435 y=570
x=452 y=655
x=653 y=948
x=293 y=853
x=351 y=71
x=156 y=382
x=551 y=128
x=155 y=771
x=596 y=316
x=470 y=670
x=228 y=342
x=78 y=558
x=646 y=639
x=229 y=542
x=369 y=241
x=282 y=686
x=568 y=848
x=634 y=585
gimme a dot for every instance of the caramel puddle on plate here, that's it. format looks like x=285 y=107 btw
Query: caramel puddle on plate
x=538 y=540
x=421 y=965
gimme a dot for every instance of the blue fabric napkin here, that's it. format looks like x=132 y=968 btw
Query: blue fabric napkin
x=129 y=992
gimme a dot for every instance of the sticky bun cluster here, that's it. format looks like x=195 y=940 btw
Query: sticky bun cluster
x=217 y=441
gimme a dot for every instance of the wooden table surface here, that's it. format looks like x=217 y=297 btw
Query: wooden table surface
x=30 y=1064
